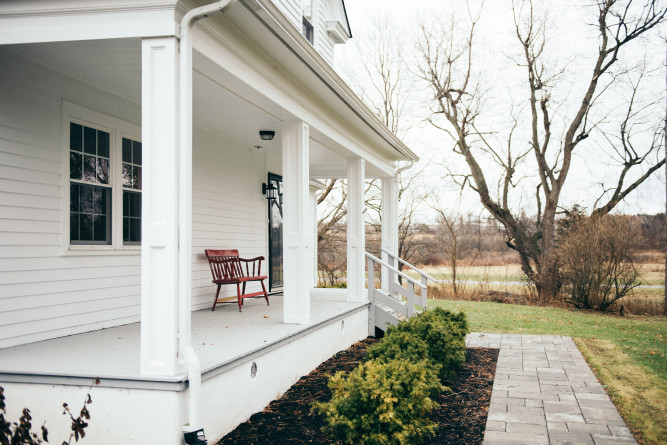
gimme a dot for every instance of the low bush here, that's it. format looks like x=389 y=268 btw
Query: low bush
x=402 y=345
x=444 y=334
x=597 y=261
x=386 y=400
x=382 y=403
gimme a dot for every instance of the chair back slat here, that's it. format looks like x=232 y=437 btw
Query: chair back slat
x=225 y=264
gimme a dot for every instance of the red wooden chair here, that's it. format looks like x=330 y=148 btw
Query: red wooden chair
x=228 y=268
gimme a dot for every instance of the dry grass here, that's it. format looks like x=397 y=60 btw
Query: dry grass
x=640 y=396
x=497 y=283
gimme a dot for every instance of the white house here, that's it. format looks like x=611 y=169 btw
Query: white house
x=129 y=143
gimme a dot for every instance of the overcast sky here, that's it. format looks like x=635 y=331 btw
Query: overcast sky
x=572 y=38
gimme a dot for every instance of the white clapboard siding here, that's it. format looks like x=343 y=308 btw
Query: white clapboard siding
x=44 y=293
x=325 y=46
x=291 y=9
x=229 y=210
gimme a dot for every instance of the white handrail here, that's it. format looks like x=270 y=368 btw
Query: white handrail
x=419 y=271
x=396 y=271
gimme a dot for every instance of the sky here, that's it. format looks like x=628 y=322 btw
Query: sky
x=571 y=41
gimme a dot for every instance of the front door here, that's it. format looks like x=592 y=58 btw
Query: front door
x=276 y=235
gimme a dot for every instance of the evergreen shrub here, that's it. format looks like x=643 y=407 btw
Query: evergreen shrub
x=382 y=403
x=387 y=399
x=444 y=334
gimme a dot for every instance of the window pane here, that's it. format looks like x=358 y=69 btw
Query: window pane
x=89 y=168
x=89 y=140
x=102 y=171
x=127 y=175
x=136 y=178
x=86 y=199
x=75 y=137
x=100 y=227
x=127 y=150
x=74 y=226
x=99 y=200
x=136 y=153
x=86 y=228
x=74 y=198
x=135 y=208
x=103 y=142
x=131 y=217
x=75 y=165
x=135 y=230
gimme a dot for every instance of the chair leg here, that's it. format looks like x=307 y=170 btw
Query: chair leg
x=238 y=293
x=243 y=289
x=216 y=298
x=266 y=296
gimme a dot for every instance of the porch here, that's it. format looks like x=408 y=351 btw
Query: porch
x=222 y=339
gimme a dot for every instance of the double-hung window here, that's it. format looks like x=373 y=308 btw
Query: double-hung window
x=105 y=171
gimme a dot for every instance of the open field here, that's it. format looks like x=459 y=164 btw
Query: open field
x=628 y=354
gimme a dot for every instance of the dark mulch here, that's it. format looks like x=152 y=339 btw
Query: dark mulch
x=461 y=414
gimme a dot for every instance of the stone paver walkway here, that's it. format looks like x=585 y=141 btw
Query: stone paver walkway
x=545 y=393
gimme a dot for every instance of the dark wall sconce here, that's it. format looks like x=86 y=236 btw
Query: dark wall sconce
x=271 y=191
x=267 y=135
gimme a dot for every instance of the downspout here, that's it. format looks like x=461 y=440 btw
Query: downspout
x=405 y=167
x=188 y=354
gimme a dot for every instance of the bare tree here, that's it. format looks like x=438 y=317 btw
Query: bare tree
x=382 y=84
x=448 y=66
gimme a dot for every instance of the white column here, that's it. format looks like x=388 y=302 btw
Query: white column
x=389 y=223
x=356 y=245
x=296 y=219
x=159 y=249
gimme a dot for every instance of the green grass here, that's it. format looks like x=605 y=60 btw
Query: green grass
x=644 y=339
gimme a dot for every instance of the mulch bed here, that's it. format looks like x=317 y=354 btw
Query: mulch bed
x=461 y=414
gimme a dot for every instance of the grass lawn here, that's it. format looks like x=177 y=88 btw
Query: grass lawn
x=628 y=354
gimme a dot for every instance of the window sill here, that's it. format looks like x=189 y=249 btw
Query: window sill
x=102 y=250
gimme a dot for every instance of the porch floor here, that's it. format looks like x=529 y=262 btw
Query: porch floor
x=218 y=338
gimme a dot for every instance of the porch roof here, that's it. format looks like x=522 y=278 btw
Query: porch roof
x=222 y=340
x=255 y=31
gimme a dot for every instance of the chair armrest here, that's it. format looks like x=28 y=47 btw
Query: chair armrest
x=256 y=268
x=247 y=260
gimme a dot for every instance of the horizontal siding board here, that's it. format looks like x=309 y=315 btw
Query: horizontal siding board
x=30 y=163
x=25 y=289
x=23 y=226
x=34 y=202
x=61 y=262
x=16 y=239
x=72 y=274
x=30 y=188
x=45 y=313
x=35 y=301
x=28 y=174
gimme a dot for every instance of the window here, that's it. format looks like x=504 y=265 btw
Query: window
x=90 y=193
x=131 y=191
x=105 y=180
x=307 y=29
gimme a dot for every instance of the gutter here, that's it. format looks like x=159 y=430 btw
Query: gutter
x=187 y=353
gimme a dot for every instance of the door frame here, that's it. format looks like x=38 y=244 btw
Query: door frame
x=277 y=178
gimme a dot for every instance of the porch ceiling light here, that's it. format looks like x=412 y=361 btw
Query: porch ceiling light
x=267 y=135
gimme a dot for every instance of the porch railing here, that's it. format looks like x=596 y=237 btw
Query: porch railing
x=395 y=302
x=423 y=276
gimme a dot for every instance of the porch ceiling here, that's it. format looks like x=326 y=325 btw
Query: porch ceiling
x=222 y=104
